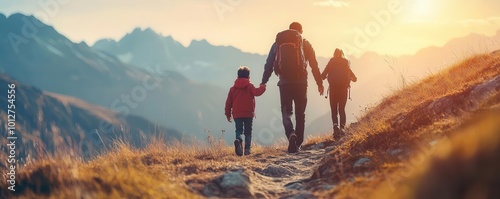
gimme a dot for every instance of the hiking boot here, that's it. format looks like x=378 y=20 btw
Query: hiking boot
x=336 y=136
x=238 y=148
x=292 y=146
x=336 y=129
x=247 y=152
x=342 y=132
x=336 y=132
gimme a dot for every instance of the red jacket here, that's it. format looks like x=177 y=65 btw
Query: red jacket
x=241 y=98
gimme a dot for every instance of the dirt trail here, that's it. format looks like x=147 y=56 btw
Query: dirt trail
x=286 y=174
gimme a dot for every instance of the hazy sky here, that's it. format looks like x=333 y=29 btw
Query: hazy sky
x=385 y=26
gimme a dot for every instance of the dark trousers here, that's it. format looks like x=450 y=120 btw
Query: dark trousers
x=338 y=99
x=294 y=94
x=244 y=126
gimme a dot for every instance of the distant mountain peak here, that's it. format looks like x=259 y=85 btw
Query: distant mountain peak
x=137 y=30
x=16 y=15
x=2 y=17
x=141 y=34
x=18 y=20
x=106 y=40
x=20 y=16
x=83 y=43
x=147 y=31
x=169 y=37
x=202 y=42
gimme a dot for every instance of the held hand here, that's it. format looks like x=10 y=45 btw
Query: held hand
x=321 y=90
x=354 y=79
x=229 y=119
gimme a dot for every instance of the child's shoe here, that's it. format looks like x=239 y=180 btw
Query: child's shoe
x=238 y=148
x=292 y=146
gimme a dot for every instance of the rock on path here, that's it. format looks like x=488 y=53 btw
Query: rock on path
x=283 y=177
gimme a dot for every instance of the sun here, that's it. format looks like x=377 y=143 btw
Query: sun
x=422 y=9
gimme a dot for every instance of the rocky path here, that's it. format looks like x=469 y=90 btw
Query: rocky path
x=284 y=176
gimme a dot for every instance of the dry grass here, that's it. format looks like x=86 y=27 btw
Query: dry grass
x=161 y=170
x=464 y=167
x=122 y=173
x=379 y=132
x=174 y=170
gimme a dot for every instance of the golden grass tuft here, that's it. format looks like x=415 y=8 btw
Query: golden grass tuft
x=377 y=134
x=161 y=170
x=122 y=173
x=467 y=166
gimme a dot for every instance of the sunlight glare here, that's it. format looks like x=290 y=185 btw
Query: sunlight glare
x=422 y=9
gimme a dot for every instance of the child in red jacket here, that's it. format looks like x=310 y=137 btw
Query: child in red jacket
x=241 y=103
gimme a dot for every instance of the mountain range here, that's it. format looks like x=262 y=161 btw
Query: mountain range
x=51 y=62
x=200 y=61
x=184 y=87
x=49 y=123
x=378 y=74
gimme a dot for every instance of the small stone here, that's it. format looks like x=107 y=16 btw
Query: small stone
x=276 y=171
x=234 y=179
x=300 y=196
x=395 y=152
x=361 y=162
x=433 y=143
x=294 y=186
x=318 y=146
x=328 y=149
x=327 y=187
x=235 y=184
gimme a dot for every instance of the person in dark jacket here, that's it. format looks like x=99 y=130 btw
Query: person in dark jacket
x=294 y=91
x=339 y=76
x=240 y=104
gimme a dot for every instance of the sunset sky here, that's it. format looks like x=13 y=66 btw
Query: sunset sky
x=392 y=27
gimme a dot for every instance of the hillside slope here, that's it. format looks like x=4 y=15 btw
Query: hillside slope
x=391 y=142
x=395 y=137
x=50 y=123
x=381 y=75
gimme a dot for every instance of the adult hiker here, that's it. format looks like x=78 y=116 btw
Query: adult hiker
x=339 y=76
x=288 y=58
